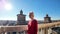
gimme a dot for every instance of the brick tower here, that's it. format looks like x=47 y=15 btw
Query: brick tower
x=21 y=18
x=47 y=19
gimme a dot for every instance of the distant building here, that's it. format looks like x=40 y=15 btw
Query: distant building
x=21 y=18
x=47 y=19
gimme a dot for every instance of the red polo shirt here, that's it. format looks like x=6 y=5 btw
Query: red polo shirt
x=32 y=27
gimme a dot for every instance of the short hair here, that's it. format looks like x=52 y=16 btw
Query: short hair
x=31 y=13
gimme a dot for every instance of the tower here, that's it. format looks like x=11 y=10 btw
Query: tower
x=21 y=18
x=47 y=19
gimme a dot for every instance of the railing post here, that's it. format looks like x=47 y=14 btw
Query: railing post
x=49 y=30
x=45 y=30
x=3 y=32
x=24 y=32
x=17 y=32
x=38 y=32
x=10 y=32
x=42 y=32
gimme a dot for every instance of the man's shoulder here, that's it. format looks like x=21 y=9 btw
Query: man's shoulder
x=35 y=21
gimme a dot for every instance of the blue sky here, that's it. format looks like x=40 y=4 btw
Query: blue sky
x=39 y=7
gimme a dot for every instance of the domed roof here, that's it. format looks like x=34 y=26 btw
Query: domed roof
x=21 y=12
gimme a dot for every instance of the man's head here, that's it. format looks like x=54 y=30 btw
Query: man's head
x=31 y=15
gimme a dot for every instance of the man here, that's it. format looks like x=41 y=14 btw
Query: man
x=32 y=25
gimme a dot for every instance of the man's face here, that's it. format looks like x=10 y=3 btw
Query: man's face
x=31 y=16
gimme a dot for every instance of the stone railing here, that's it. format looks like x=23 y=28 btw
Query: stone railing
x=42 y=28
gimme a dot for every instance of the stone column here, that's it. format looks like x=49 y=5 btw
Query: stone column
x=45 y=30
x=10 y=32
x=24 y=32
x=42 y=31
x=17 y=32
x=3 y=32
x=49 y=31
x=39 y=31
